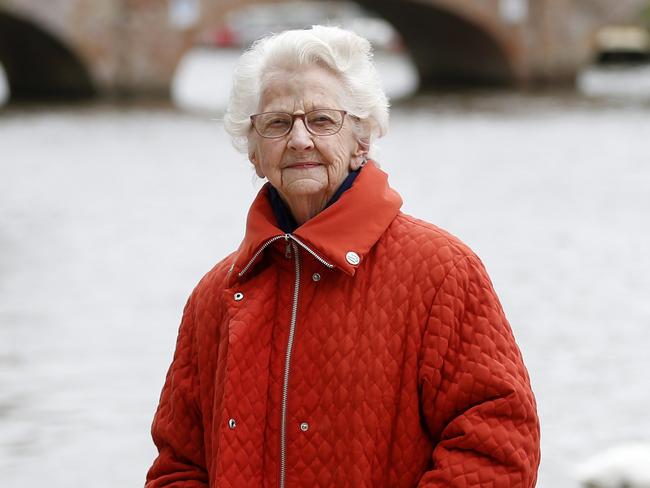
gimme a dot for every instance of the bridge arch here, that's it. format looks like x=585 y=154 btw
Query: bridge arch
x=453 y=43
x=38 y=65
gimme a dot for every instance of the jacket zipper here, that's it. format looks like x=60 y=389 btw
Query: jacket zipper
x=306 y=248
x=287 y=367
x=292 y=245
x=259 y=251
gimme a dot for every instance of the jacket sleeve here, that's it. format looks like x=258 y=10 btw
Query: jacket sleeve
x=476 y=397
x=177 y=427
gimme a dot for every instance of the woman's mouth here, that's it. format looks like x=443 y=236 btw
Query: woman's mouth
x=303 y=165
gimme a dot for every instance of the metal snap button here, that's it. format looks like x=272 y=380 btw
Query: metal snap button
x=232 y=424
x=304 y=426
x=315 y=277
x=352 y=258
x=238 y=296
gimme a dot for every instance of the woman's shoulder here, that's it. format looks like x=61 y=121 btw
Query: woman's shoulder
x=427 y=242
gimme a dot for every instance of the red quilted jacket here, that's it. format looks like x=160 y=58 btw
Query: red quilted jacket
x=366 y=349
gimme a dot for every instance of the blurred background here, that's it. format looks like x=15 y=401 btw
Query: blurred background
x=521 y=126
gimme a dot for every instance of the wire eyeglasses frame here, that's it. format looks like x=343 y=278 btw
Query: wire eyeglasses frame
x=305 y=119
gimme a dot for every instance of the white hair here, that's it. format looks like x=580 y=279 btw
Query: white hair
x=346 y=54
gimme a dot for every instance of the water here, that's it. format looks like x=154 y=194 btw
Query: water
x=109 y=216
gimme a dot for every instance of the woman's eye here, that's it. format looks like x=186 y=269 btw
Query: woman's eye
x=321 y=119
x=278 y=122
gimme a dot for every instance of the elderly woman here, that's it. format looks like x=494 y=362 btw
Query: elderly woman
x=344 y=343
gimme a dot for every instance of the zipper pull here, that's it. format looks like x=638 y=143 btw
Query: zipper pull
x=287 y=250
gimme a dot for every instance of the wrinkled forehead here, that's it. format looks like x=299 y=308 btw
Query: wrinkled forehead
x=304 y=89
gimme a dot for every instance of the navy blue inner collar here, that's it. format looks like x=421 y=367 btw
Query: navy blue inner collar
x=283 y=215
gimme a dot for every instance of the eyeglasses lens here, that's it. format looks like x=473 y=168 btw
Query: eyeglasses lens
x=324 y=122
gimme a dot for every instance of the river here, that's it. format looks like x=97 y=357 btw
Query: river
x=109 y=216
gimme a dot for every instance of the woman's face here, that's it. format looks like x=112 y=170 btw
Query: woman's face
x=301 y=165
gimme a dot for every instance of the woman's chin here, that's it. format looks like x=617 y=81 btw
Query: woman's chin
x=305 y=187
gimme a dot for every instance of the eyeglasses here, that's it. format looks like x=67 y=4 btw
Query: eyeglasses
x=320 y=122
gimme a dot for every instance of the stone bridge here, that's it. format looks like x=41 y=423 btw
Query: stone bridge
x=60 y=48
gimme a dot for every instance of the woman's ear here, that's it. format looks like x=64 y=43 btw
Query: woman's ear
x=360 y=155
x=254 y=158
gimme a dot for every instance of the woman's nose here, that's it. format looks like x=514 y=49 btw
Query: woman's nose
x=299 y=137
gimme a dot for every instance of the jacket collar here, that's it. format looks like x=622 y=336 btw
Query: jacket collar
x=353 y=224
